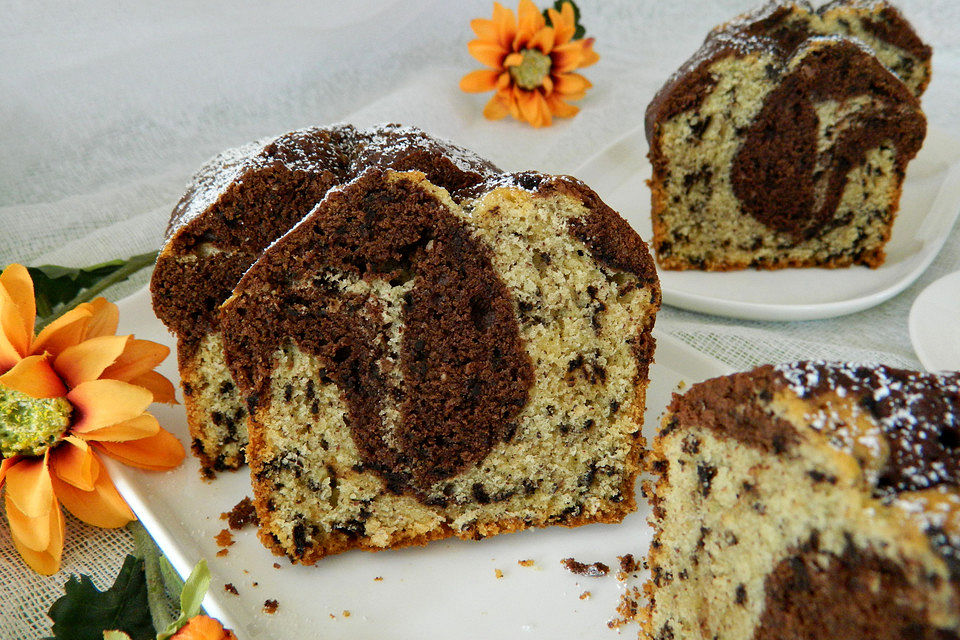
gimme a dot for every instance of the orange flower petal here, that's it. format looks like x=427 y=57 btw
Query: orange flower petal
x=142 y=426
x=527 y=103
x=544 y=111
x=485 y=29
x=86 y=361
x=19 y=285
x=513 y=60
x=547 y=85
x=26 y=535
x=543 y=40
x=506 y=24
x=28 y=486
x=488 y=53
x=566 y=57
x=480 y=81
x=589 y=56
x=73 y=462
x=14 y=338
x=5 y=465
x=35 y=377
x=159 y=386
x=503 y=82
x=572 y=83
x=65 y=331
x=105 y=318
x=495 y=109
x=156 y=453
x=562 y=27
x=529 y=21
x=560 y=108
x=102 y=506
x=102 y=403
x=202 y=627
x=138 y=357
x=510 y=99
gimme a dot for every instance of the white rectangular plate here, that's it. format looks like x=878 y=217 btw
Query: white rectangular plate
x=928 y=208
x=447 y=589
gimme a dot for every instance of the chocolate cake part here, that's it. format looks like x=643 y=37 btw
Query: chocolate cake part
x=728 y=405
x=858 y=594
x=466 y=373
x=777 y=174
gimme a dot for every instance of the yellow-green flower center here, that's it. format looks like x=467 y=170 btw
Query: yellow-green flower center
x=530 y=73
x=29 y=426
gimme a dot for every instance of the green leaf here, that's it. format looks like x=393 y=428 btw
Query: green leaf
x=84 y=612
x=59 y=289
x=558 y=5
x=190 y=598
x=115 y=635
x=161 y=595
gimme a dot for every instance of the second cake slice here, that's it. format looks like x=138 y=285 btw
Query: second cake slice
x=417 y=368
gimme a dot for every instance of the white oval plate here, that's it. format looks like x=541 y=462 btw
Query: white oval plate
x=935 y=324
x=928 y=208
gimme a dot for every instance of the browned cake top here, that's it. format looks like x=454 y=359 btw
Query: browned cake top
x=246 y=198
x=769 y=29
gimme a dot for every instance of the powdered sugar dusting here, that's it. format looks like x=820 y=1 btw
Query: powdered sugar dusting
x=917 y=416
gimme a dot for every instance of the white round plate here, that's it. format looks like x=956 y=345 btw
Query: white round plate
x=928 y=208
x=935 y=324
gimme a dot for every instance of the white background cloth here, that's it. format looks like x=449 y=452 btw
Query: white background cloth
x=107 y=108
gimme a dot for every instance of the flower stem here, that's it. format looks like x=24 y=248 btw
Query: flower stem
x=130 y=267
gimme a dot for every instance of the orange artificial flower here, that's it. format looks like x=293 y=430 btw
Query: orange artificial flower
x=531 y=64
x=73 y=391
x=203 y=628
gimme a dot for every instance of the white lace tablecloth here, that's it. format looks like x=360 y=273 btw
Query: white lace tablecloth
x=108 y=108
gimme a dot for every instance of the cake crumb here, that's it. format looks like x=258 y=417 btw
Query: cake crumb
x=627 y=608
x=229 y=588
x=585 y=595
x=346 y=613
x=222 y=552
x=276 y=565
x=378 y=579
x=224 y=538
x=270 y=606
x=592 y=570
x=525 y=563
x=498 y=573
x=242 y=515
x=256 y=584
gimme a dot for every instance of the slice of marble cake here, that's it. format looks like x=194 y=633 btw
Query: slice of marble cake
x=417 y=368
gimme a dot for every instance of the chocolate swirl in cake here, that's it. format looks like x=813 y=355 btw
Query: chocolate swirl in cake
x=781 y=177
x=464 y=369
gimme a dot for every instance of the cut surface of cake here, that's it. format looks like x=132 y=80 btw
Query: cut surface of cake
x=810 y=500
x=784 y=141
x=238 y=204
x=420 y=365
